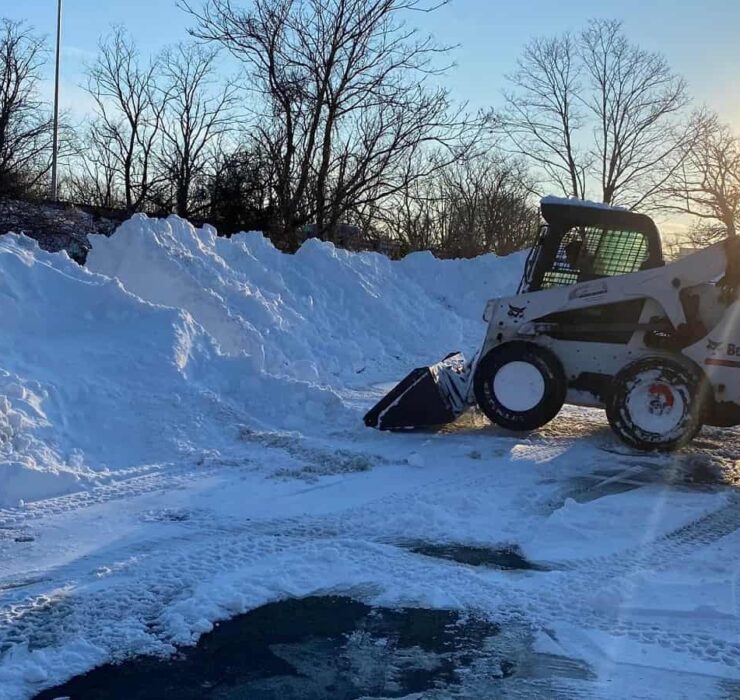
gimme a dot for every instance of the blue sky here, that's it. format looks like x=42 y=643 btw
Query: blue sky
x=700 y=39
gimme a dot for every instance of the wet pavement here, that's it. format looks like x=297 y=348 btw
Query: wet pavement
x=330 y=647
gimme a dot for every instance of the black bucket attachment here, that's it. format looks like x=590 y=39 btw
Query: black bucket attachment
x=428 y=396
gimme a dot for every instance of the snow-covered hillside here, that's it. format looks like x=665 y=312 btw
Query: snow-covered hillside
x=181 y=441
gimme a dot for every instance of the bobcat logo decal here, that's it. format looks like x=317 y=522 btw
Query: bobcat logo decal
x=712 y=345
x=516 y=311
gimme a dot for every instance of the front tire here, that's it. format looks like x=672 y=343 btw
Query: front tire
x=656 y=404
x=520 y=386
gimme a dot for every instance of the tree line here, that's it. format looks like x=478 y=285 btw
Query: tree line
x=338 y=124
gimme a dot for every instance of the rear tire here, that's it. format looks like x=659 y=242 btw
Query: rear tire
x=520 y=386
x=656 y=404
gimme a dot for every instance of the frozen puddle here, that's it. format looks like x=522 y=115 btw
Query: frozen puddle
x=334 y=647
x=507 y=558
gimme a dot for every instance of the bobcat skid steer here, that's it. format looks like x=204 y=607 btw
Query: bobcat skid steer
x=600 y=320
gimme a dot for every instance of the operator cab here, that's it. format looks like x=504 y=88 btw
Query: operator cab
x=584 y=241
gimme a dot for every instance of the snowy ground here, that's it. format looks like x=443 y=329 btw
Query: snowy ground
x=154 y=480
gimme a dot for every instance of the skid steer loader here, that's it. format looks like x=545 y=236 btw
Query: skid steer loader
x=599 y=320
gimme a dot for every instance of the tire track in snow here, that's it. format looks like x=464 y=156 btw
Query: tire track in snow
x=155 y=478
x=666 y=549
x=558 y=602
x=153 y=576
x=162 y=477
x=146 y=582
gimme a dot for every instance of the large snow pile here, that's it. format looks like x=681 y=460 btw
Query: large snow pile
x=321 y=315
x=174 y=340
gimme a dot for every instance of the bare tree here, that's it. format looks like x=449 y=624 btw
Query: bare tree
x=199 y=114
x=544 y=112
x=347 y=104
x=597 y=111
x=634 y=98
x=488 y=200
x=707 y=185
x=415 y=217
x=129 y=110
x=241 y=191
x=95 y=178
x=25 y=121
x=475 y=206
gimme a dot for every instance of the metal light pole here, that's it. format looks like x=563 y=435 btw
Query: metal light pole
x=55 y=145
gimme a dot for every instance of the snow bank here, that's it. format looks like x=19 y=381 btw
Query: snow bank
x=94 y=380
x=321 y=315
x=174 y=339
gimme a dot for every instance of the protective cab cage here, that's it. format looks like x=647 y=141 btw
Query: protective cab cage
x=584 y=243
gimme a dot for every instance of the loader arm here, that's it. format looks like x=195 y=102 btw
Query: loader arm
x=665 y=284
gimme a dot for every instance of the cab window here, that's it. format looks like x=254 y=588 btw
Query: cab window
x=590 y=253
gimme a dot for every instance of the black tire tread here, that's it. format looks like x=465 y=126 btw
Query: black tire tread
x=676 y=372
x=551 y=370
